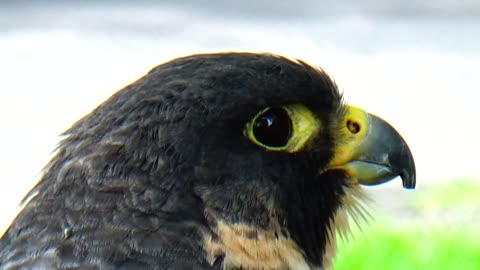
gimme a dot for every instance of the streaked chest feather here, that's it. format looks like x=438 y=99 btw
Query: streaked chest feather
x=245 y=247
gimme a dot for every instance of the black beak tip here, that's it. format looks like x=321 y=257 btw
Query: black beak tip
x=408 y=179
x=408 y=172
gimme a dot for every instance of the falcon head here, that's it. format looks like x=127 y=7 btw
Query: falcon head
x=233 y=160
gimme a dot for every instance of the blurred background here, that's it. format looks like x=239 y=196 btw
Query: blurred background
x=415 y=63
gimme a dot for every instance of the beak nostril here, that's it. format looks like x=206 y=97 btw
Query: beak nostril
x=353 y=126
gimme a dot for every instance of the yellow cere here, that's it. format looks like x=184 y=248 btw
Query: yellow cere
x=304 y=126
x=354 y=129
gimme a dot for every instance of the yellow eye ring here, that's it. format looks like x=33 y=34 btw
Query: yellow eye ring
x=287 y=128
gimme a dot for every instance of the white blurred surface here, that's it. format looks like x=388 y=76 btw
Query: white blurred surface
x=420 y=75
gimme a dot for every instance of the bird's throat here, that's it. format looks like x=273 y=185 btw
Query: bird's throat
x=246 y=247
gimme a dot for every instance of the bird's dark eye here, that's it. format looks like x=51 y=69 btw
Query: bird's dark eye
x=273 y=127
x=287 y=128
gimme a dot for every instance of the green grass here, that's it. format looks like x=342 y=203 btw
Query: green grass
x=385 y=247
x=446 y=195
x=436 y=244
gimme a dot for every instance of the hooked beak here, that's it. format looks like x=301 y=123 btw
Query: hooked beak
x=372 y=152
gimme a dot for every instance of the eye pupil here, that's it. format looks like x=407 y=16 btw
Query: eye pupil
x=273 y=127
